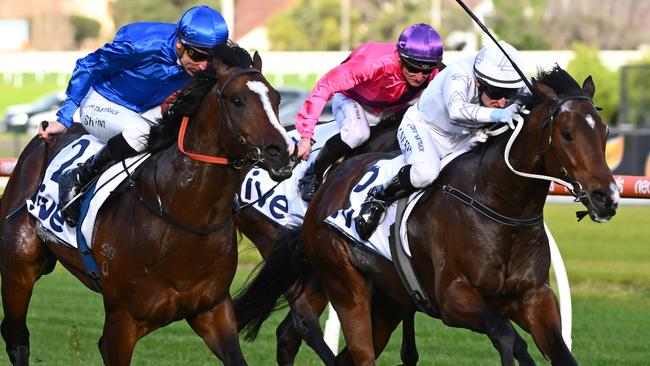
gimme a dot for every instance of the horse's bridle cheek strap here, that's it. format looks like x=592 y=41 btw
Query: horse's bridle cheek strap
x=255 y=153
x=576 y=189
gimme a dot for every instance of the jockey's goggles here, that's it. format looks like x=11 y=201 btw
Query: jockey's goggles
x=496 y=93
x=414 y=67
x=196 y=54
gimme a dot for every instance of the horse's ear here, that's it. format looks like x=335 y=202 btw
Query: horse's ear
x=547 y=93
x=257 y=61
x=589 y=87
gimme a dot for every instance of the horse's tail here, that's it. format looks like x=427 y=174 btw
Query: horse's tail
x=283 y=272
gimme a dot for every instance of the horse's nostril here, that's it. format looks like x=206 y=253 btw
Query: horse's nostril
x=602 y=199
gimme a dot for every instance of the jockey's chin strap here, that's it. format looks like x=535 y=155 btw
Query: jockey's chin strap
x=573 y=186
x=254 y=154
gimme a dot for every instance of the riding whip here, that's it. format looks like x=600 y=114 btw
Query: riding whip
x=484 y=28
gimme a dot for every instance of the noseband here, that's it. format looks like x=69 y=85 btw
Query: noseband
x=254 y=154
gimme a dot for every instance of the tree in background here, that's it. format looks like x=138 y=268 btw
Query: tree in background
x=587 y=62
x=520 y=22
x=84 y=28
x=315 y=24
x=129 y=11
x=634 y=107
x=307 y=25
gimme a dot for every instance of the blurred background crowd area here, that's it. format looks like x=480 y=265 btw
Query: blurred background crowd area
x=301 y=39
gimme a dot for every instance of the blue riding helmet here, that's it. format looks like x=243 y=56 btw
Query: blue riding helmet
x=202 y=27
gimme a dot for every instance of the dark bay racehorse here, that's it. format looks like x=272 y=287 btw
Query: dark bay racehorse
x=301 y=322
x=155 y=269
x=477 y=272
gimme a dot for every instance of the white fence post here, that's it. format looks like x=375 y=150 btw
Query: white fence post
x=564 y=292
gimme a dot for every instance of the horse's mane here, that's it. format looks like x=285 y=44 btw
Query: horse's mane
x=165 y=131
x=557 y=79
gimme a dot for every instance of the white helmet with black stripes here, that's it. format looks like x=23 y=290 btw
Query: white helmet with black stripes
x=494 y=68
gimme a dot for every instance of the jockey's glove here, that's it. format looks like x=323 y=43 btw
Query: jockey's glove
x=509 y=115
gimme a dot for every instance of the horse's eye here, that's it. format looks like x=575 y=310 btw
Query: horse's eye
x=236 y=101
x=566 y=135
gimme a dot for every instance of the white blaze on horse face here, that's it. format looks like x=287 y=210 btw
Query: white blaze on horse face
x=260 y=89
x=566 y=107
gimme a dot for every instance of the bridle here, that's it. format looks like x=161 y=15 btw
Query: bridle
x=576 y=189
x=254 y=154
x=569 y=182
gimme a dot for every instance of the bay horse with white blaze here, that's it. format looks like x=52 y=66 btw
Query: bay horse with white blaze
x=477 y=271
x=176 y=261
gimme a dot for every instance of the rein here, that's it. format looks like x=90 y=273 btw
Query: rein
x=573 y=186
x=254 y=155
x=160 y=212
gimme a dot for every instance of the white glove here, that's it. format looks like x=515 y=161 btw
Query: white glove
x=509 y=115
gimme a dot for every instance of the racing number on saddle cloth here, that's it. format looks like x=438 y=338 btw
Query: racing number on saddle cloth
x=45 y=206
x=83 y=146
x=368 y=181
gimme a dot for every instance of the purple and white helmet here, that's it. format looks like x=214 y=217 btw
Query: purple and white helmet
x=421 y=44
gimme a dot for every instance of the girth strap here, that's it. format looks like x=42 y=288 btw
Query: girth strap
x=478 y=206
x=404 y=266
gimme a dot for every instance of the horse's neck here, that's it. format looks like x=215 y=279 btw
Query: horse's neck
x=501 y=184
x=181 y=183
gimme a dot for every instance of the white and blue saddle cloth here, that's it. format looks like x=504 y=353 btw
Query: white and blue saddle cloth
x=281 y=203
x=45 y=208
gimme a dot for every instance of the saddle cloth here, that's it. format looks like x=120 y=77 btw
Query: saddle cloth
x=281 y=203
x=45 y=208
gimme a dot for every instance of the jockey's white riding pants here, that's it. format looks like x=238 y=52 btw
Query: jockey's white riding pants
x=353 y=120
x=105 y=119
x=424 y=148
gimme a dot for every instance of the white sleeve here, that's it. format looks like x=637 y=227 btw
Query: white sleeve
x=457 y=91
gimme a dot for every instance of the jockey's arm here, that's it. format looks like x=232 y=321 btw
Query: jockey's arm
x=457 y=92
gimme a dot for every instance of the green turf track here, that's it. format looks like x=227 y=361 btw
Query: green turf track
x=608 y=266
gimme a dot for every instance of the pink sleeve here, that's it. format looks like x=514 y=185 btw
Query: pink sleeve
x=343 y=77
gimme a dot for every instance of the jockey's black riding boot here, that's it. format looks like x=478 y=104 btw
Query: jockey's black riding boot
x=379 y=198
x=333 y=149
x=72 y=182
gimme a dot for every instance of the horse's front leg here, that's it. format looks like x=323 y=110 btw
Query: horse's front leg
x=218 y=328
x=121 y=332
x=462 y=306
x=540 y=316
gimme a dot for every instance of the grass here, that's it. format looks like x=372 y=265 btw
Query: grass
x=608 y=266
